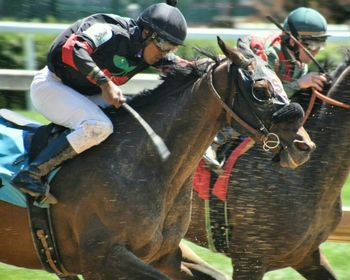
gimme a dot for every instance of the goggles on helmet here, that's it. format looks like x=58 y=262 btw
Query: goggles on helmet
x=313 y=45
x=163 y=45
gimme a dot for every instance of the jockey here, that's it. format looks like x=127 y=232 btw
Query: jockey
x=86 y=64
x=289 y=61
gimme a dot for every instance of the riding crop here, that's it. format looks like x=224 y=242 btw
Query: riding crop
x=156 y=139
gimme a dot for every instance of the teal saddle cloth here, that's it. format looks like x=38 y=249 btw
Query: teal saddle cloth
x=13 y=150
x=15 y=142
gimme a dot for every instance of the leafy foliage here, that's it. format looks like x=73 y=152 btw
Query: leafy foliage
x=11 y=51
x=205 y=11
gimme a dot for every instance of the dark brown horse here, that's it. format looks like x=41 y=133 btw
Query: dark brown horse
x=122 y=212
x=278 y=218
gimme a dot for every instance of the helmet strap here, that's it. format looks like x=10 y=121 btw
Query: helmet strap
x=294 y=49
x=149 y=38
x=295 y=33
x=292 y=28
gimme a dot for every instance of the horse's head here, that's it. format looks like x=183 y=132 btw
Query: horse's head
x=264 y=109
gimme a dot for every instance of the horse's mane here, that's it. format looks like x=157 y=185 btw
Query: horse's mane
x=173 y=83
x=176 y=82
x=341 y=67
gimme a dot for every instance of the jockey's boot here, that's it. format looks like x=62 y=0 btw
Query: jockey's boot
x=211 y=161
x=29 y=179
x=220 y=139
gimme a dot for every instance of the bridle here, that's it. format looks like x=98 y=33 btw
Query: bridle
x=267 y=139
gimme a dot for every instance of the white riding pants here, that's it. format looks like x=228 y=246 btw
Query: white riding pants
x=65 y=106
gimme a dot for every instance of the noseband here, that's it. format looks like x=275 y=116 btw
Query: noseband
x=267 y=139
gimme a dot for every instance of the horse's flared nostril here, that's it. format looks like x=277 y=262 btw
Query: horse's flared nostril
x=304 y=146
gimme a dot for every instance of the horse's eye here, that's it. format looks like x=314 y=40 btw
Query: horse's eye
x=261 y=94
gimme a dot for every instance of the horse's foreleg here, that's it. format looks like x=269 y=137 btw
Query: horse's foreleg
x=248 y=268
x=170 y=264
x=120 y=264
x=198 y=267
x=316 y=267
x=188 y=266
x=69 y=278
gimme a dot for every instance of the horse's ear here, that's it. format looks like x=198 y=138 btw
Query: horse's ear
x=224 y=48
x=221 y=44
x=233 y=54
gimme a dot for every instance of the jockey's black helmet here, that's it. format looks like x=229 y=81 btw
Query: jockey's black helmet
x=167 y=21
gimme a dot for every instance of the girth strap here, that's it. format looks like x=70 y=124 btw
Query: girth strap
x=216 y=224
x=44 y=240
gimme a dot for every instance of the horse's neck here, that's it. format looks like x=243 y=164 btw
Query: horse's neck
x=340 y=69
x=192 y=122
x=330 y=116
x=205 y=115
x=331 y=131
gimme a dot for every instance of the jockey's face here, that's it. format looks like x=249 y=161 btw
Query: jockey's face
x=152 y=53
x=304 y=57
x=313 y=47
x=156 y=49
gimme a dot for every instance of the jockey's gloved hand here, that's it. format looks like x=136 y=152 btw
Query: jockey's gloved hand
x=313 y=80
x=112 y=94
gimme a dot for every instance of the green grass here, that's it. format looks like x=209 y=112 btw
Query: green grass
x=33 y=115
x=8 y=272
x=338 y=254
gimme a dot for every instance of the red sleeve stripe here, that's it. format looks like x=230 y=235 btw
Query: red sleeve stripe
x=68 y=50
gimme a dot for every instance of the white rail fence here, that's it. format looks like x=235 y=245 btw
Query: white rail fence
x=21 y=79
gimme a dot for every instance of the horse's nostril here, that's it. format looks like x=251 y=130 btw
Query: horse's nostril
x=302 y=146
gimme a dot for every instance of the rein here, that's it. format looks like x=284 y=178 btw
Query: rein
x=331 y=101
x=268 y=140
